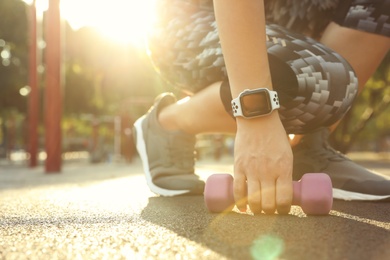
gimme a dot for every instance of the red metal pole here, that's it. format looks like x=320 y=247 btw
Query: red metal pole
x=33 y=109
x=53 y=95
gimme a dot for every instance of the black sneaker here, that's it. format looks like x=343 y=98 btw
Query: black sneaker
x=168 y=157
x=350 y=180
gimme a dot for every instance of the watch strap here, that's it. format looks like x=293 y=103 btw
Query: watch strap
x=274 y=98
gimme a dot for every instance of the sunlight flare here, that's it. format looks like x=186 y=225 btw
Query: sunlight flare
x=125 y=21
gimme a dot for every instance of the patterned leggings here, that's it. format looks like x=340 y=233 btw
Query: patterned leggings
x=316 y=86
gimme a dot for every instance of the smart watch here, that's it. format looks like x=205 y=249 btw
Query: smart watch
x=255 y=103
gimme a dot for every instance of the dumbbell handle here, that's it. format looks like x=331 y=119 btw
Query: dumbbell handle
x=313 y=193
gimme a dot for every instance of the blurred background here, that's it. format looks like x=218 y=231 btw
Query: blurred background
x=107 y=82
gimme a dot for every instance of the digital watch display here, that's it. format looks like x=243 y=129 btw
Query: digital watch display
x=255 y=103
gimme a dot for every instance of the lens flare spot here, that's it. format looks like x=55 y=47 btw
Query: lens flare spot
x=267 y=247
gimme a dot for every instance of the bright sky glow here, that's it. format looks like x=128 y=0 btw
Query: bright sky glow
x=125 y=21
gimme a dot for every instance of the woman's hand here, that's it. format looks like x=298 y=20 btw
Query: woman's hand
x=263 y=156
x=263 y=165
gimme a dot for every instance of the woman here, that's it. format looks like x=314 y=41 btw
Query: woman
x=313 y=82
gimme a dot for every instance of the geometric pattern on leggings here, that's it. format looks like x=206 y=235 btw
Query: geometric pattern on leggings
x=326 y=83
x=372 y=16
x=316 y=86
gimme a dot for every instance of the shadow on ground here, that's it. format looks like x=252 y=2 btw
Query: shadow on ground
x=352 y=231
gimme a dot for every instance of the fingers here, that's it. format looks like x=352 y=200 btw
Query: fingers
x=254 y=196
x=240 y=192
x=259 y=196
x=268 y=196
x=284 y=194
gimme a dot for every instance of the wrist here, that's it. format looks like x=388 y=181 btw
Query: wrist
x=272 y=120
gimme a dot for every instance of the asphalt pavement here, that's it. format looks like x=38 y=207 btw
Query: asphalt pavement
x=106 y=211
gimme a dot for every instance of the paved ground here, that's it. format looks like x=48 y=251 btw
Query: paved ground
x=105 y=211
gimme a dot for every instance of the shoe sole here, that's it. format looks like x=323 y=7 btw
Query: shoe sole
x=350 y=195
x=141 y=148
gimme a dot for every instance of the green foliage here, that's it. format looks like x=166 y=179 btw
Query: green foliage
x=75 y=125
x=13 y=43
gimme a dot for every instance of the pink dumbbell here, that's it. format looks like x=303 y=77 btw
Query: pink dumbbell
x=313 y=193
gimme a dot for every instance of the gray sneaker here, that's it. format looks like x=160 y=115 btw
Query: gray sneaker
x=168 y=157
x=350 y=180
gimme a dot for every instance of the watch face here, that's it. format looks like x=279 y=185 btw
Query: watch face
x=255 y=104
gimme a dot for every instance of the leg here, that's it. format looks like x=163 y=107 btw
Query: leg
x=165 y=139
x=371 y=49
x=364 y=51
x=202 y=113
